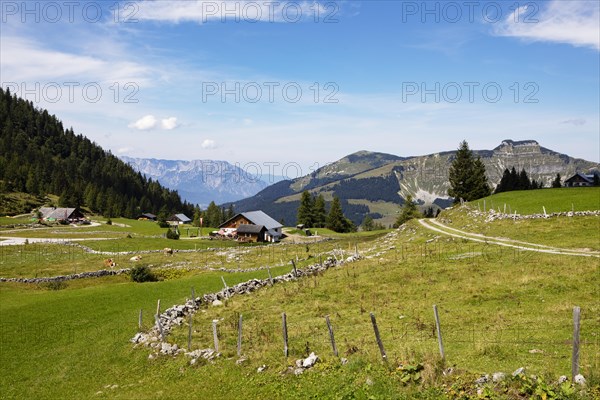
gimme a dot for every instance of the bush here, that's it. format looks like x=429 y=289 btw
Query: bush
x=109 y=221
x=163 y=224
x=172 y=235
x=142 y=273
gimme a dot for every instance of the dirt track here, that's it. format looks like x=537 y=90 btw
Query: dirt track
x=444 y=229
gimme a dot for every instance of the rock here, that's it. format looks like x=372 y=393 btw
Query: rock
x=298 y=371
x=482 y=380
x=519 y=371
x=448 y=371
x=344 y=361
x=536 y=351
x=369 y=382
x=579 y=379
x=261 y=368
x=193 y=361
x=498 y=377
x=151 y=357
x=299 y=363
x=241 y=361
x=562 y=379
x=310 y=360
x=217 y=303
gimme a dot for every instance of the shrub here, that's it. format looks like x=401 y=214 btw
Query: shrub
x=142 y=273
x=172 y=235
x=109 y=221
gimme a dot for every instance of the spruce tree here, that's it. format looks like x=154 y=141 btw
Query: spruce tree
x=467 y=176
x=556 y=183
x=305 y=215
x=409 y=211
x=320 y=214
x=336 y=221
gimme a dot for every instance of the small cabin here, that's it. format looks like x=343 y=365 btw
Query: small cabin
x=255 y=226
x=179 y=219
x=579 y=180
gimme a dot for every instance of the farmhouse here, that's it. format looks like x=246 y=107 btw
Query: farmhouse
x=580 y=179
x=254 y=226
x=179 y=219
x=61 y=214
x=147 y=216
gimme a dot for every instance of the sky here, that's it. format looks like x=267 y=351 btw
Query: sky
x=292 y=85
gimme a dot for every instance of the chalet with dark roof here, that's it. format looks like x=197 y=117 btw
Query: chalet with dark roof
x=179 y=219
x=580 y=179
x=61 y=214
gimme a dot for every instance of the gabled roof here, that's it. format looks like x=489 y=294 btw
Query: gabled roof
x=260 y=218
x=180 y=217
x=148 y=215
x=56 y=213
x=257 y=218
x=587 y=178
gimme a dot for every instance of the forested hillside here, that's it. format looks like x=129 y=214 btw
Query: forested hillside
x=38 y=156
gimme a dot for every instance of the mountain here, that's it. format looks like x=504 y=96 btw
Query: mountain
x=39 y=157
x=377 y=183
x=200 y=181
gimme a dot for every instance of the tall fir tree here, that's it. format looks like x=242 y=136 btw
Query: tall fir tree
x=320 y=214
x=557 y=182
x=467 y=176
x=305 y=215
x=409 y=211
x=336 y=221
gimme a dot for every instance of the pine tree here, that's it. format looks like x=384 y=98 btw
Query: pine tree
x=467 y=176
x=306 y=208
x=367 y=224
x=320 y=214
x=336 y=221
x=557 y=183
x=504 y=184
x=524 y=182
x=409 y=211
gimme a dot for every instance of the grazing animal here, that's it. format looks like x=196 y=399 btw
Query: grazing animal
x=168 y=251
x=135 y=258
x=109 y=263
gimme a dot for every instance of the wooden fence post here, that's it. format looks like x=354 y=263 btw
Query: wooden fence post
x=158 y=307
x=226 y=287
x=378 y=337
x=215 y=336
x=285 y=334
x=295 y=271
x=239 y=342
x=160 y=328
x=193 y=294
x=439 y=331
x=331 y=337
x=190 y=334
x=140 y=320
x=270 y=276
x=575 y=357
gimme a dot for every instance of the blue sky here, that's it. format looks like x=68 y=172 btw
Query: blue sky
x=309 y=82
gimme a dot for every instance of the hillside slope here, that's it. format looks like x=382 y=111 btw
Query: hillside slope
x=38 y=156
x=376 y=183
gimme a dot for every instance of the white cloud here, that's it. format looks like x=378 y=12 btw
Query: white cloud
x=573 y=22
x=203 y=11
x=122 y=150
x=208 y=144
x=169 y=123
x=576 y=122
x=144 y=123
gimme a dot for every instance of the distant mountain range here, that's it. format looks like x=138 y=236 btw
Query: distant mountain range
x=202 y=181
x=377 y=183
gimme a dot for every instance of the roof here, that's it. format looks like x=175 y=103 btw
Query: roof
x=260 y=218
x=180 y=217
x=248 y=228
x=257 y=218
x=148 y=215
x=56 y=213
x=587 y=178
x=274 y=233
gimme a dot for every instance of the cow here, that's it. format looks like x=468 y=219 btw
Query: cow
x=109 y=263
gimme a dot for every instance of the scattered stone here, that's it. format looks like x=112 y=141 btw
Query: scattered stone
x=262 y=368
x=344 y=361
x=369 y=382
x=448 y=371
x=482 y=380
x=579 y=379
x=536 y=351
x=298 y=371
x=151 y=357
x=310 y=361
x=498 y=377
x=113 y=387
x=562 y=379
x=241 y=361
x=519 y=371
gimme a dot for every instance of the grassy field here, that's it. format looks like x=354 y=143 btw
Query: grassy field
x=500 y=309
x=533 y=201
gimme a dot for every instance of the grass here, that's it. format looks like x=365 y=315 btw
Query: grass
x=533 y=201
x=496 y=305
